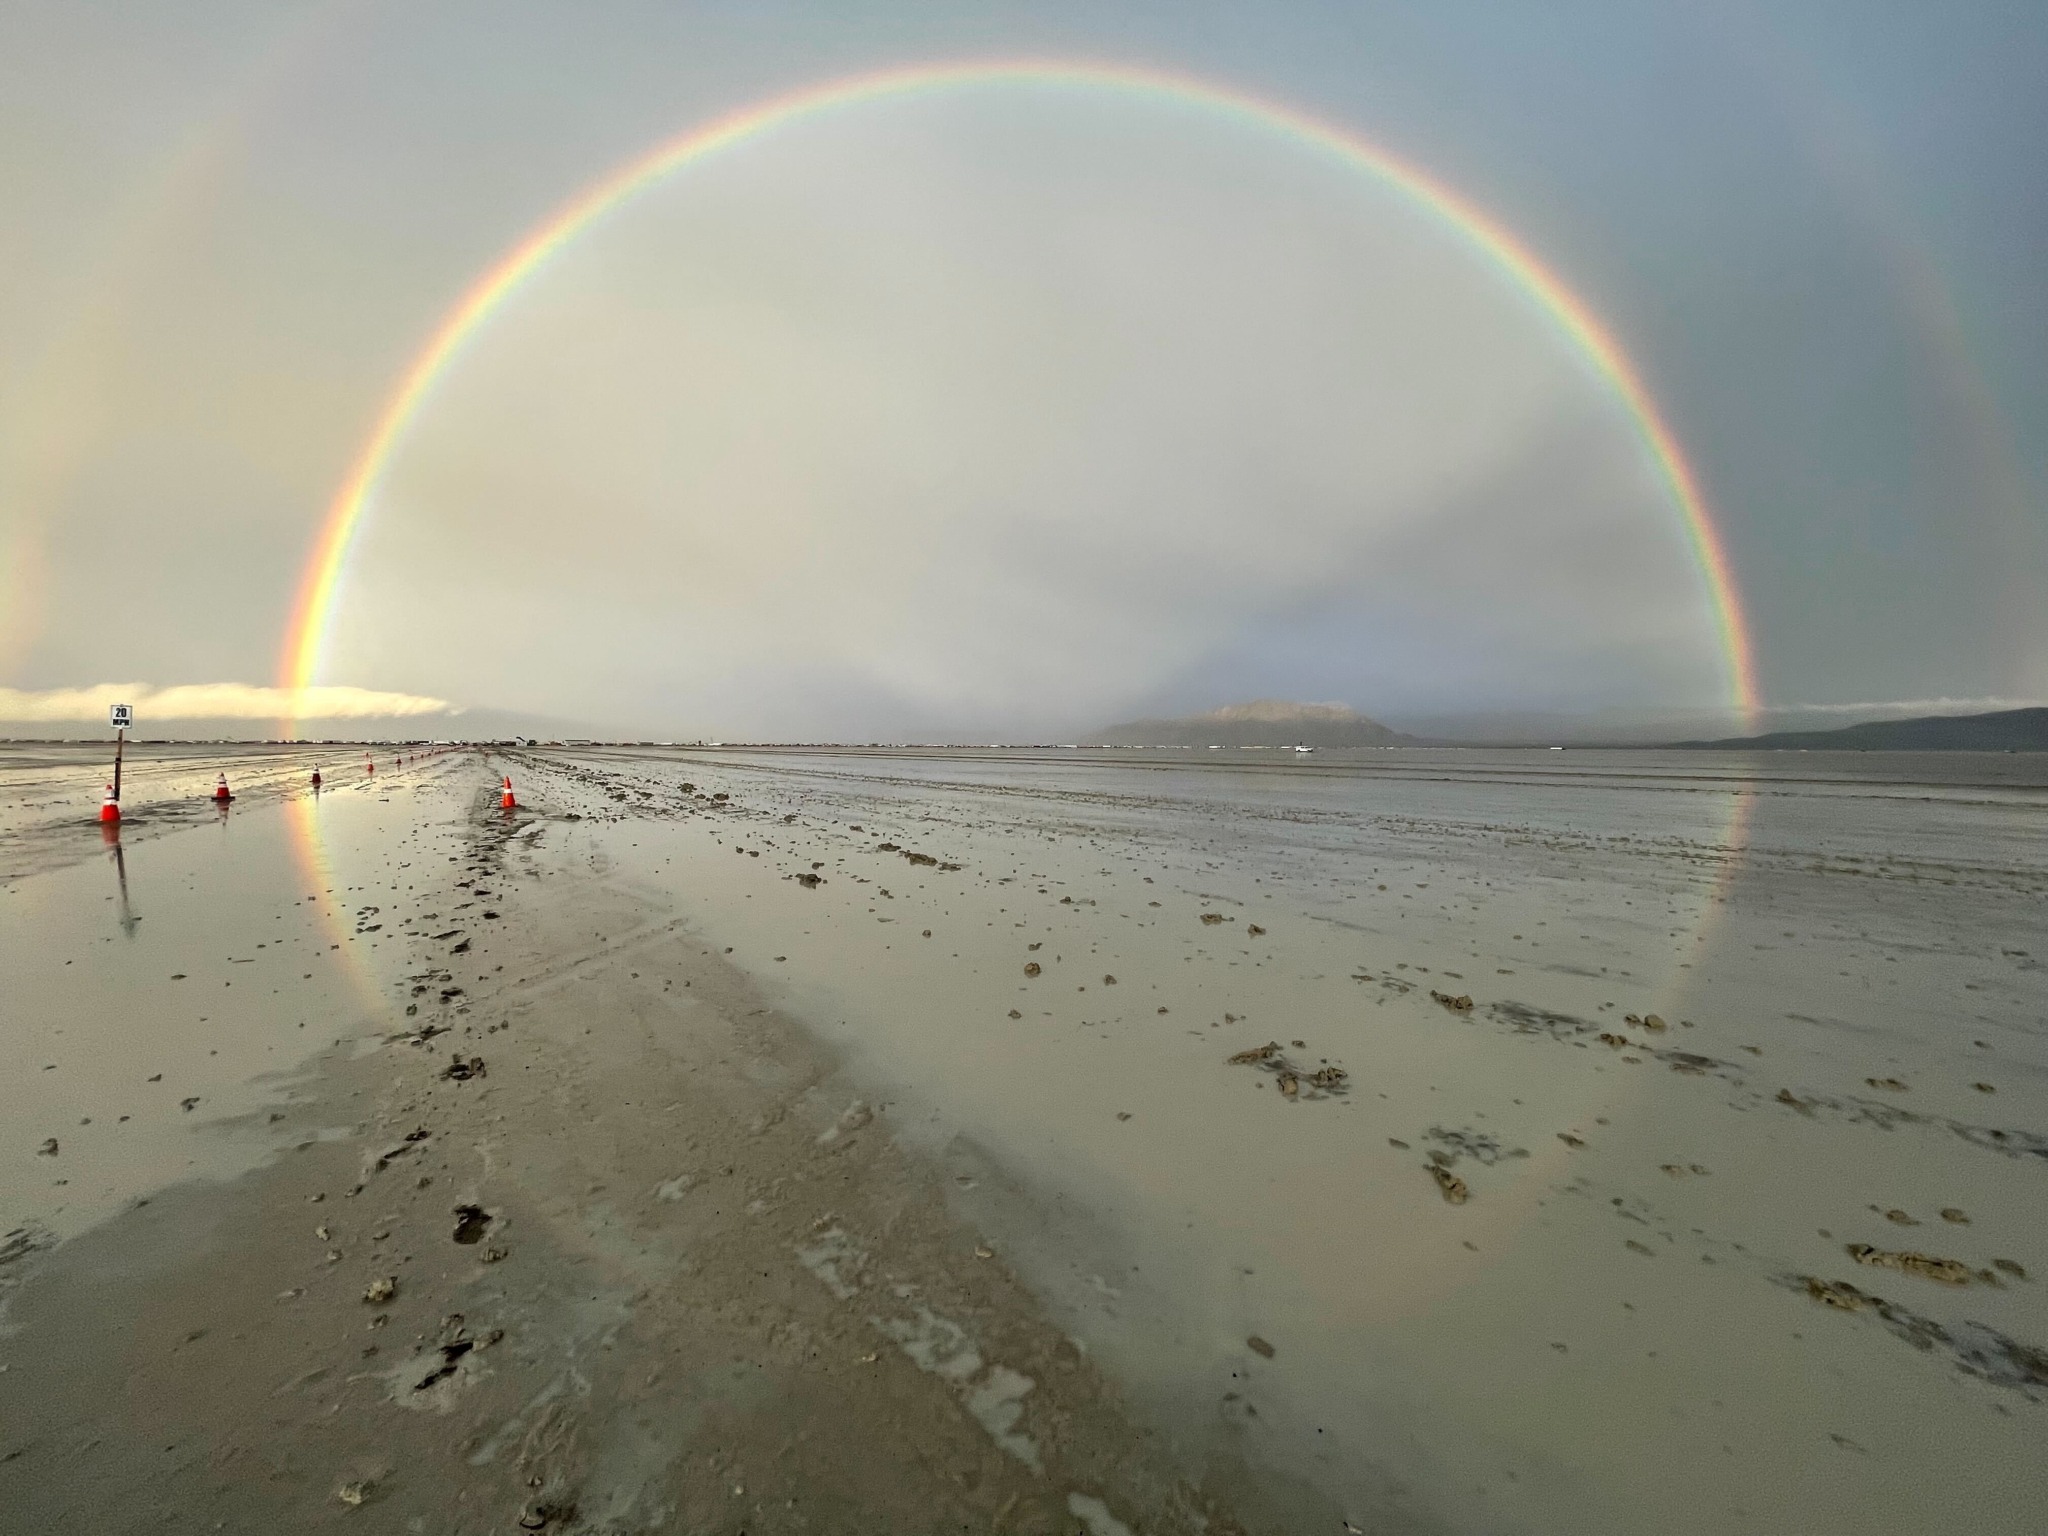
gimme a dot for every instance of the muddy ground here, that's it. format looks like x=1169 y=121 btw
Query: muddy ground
x=906 y=1141
x=598 y=1243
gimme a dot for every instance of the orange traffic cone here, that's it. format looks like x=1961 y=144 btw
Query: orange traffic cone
x=506 y=799
x=111 y=809
x=220 y=791
x=369 y=766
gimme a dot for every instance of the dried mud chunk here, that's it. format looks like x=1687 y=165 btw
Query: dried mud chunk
x=1259 y=1346
x=1458 y=1004
x=1888 y=1084
x=1947 y=1271
x=1454 y=1188
x=1257 y=1053
x=462 y=1069
x=809 y=881
x=920 y=858
x=1290 y=1085
x=1031 y=967
x=1653 y=1022
x=1254 y=930
x=1212 y=917
x=541 y=1514
x=2012 y=1267
x=48 y=1148
x=356 y=1493
x=381 y=1290
x=1328 y=1077
x=1950 y=1213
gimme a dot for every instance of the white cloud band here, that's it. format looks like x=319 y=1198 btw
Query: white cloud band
x=212 y=701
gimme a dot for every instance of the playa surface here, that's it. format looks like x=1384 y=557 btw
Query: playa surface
x=811 y=1140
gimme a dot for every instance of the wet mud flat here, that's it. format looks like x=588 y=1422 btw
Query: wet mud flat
x=895 y=1141
x=1404 y=1126
x=50 y=788
x=552 y=1221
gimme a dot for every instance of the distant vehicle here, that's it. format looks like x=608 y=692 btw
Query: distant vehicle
x=1304 y=749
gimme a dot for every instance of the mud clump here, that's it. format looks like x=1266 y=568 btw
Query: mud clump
x=1947 y=1271
x=1294 y=1082
x=1455 y=1190
x=1031 y=968
x=1461 y=1003
x=462 y=1069
x=1212 y=918
x=471 y=1222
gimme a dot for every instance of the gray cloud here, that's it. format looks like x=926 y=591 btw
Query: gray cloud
x=211 y=701
x=1009 y=413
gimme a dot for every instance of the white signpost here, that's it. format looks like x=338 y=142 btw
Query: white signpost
x=120 y=717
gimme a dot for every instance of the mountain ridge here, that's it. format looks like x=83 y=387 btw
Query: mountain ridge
x=2002 y=730
x=1259 y=723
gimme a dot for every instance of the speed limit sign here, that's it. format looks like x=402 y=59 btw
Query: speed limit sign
x=120 y=716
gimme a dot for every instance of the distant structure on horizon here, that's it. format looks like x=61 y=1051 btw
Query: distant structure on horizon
x=2005 y=730
x=1261 y=723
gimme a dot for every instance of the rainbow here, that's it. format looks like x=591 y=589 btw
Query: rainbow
x=315 y=605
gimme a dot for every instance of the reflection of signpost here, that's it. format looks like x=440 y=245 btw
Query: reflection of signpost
x=128 y=917
x=120 y=717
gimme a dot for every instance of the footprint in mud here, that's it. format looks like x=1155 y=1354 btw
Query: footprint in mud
x=471 y=1222
x=1973 y=1348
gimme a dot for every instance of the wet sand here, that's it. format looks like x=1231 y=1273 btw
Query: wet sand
x=785 y=1173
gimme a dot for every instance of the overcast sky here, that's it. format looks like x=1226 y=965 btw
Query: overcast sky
x=1015 y=411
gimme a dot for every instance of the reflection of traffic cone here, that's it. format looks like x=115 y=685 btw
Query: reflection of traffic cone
x=220 y=791
x=316 y=778
x=111 y=810
x=506 y=799
x=369 y=766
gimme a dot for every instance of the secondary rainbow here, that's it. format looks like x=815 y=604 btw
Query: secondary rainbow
x=315 y=605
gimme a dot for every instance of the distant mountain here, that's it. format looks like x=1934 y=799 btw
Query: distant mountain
x=2005 y=730
x=1262 y=723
